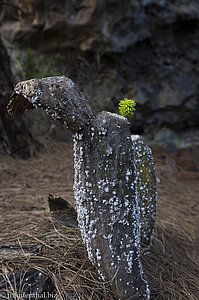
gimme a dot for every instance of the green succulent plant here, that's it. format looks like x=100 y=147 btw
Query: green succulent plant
x=127 y=107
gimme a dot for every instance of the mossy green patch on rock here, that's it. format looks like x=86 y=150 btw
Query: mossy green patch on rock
x=147 y=189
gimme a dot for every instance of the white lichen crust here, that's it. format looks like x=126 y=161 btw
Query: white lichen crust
x=58 y=96
x=107 y=203
x=147 y=190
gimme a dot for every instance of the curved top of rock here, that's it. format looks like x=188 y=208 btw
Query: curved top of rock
x=57 y=96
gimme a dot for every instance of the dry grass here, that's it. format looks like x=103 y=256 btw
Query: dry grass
x=57 y=251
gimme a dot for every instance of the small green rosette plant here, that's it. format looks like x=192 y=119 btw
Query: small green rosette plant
x=127 y=107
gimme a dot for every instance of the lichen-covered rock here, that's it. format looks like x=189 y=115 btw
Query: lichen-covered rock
x=147 y=189
x=107 y=203
x=57 y=96
x=105 y=187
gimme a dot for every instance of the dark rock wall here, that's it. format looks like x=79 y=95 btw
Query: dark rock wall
x=147 y=50
x=16 y=137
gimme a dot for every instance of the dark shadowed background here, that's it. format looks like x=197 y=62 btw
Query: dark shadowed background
x=146 y=50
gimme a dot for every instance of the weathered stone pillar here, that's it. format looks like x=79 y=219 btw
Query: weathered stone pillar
x=147 y=189
x=107 y=203
x=105 y=187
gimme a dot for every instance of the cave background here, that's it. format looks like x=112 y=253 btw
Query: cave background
x=147 y=50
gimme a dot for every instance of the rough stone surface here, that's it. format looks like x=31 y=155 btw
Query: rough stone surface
x=142 y=49
x=147 y=190
x=107 y=203
x=57 y=96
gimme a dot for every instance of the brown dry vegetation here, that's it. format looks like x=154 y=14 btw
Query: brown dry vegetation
x=171 y=267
